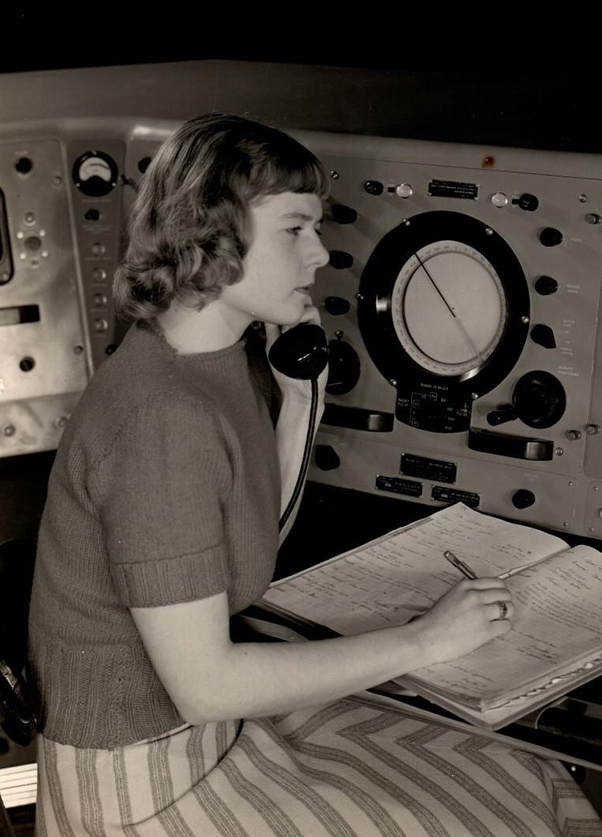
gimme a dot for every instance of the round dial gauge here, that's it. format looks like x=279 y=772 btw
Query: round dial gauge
x=95 y=173
x=443 y=307
x=448 y=308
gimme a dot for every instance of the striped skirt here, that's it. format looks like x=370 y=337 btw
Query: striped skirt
x=361 y=767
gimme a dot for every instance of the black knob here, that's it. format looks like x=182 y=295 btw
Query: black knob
x=92 y=215
x=336 y=305
x=527 y=202
x=550 y=237
x=543 y=336
x=344 y=368
x=343 y=214
x=374 y=187
x=540 y=399
x=327 y=459
x=523 y=498
x=546 y=285
x=340 y=260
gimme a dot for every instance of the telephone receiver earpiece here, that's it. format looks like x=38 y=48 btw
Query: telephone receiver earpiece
x=301 y=352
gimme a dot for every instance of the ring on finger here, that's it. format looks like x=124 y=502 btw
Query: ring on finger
x=503 y=611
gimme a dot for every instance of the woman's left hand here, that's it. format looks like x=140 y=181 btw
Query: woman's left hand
x=293 y=386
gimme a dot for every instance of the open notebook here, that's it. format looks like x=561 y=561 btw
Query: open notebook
x=556 y=640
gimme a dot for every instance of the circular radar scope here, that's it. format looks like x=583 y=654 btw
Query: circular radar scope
x=448 y=308
x=443 y=309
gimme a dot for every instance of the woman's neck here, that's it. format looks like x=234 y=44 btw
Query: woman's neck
x=190 y=331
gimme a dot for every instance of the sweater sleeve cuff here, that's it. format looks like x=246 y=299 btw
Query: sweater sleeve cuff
x=172 y=580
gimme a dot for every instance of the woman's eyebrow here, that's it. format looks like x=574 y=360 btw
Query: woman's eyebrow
x=302 y=216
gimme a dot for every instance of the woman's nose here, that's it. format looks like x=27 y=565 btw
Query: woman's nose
x=322 y=256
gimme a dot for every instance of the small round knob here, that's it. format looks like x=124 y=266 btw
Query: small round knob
x=326 y=457
x=340 y=260
x=523 y=498
x=343 y=214
x=592 y=429
x=593 y=218
x=344 y=367
x=32 y=243
x=550 y=237
x=546 y=285
x=527 y=202
x=404 y=190
x=374 y=187
x=336 y=305
x=573 y=435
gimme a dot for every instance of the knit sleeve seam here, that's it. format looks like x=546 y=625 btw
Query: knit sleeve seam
x=131 y=418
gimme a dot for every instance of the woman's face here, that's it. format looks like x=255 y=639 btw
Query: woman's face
x=280 y=265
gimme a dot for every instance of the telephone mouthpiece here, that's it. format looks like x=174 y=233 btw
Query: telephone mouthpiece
x=301 y=352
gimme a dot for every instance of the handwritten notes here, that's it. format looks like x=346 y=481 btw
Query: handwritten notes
x=392 y=578
x=557 y=593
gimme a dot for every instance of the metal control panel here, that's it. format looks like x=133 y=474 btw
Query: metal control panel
x=63 y=196
x=462 y=306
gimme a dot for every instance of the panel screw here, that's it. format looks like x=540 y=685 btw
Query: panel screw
x=339 y=334
x=570 y=483
x=474 y=395
x=565 y=524
x=359 y=296
x=559 y=451
x=524 y=320
x=488 y=231
x=334 y=174
x=57 y=180
x=393 y=382
x=61 y=421
x=78 y=350
x=583 y=198
x=9 y=429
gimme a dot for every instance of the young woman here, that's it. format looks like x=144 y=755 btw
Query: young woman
x=162 y=522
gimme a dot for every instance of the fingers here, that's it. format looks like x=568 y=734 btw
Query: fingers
x=491 y=594
x=501 y=611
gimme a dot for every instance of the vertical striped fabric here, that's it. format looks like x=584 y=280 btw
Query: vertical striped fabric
x=360 y=767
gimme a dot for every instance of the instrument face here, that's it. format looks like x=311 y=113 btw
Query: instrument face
x=444 y=311
x=448 y=308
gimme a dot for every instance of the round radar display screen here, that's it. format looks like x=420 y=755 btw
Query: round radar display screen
x=448 y=308
x=443 y=309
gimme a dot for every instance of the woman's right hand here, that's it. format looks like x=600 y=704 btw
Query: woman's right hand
x=464 y=618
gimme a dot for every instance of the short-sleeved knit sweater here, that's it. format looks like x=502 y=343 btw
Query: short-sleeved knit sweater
x=165 y=489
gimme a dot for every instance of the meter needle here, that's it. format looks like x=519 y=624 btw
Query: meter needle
x=450 y=309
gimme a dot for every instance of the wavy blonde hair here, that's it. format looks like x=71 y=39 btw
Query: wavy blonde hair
x=189 y=226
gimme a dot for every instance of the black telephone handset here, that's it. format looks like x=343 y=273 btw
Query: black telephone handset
x=301 y=352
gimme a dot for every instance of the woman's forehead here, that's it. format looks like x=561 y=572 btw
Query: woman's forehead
x=300 y=205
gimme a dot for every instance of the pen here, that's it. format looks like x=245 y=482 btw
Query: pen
x=459 y=565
